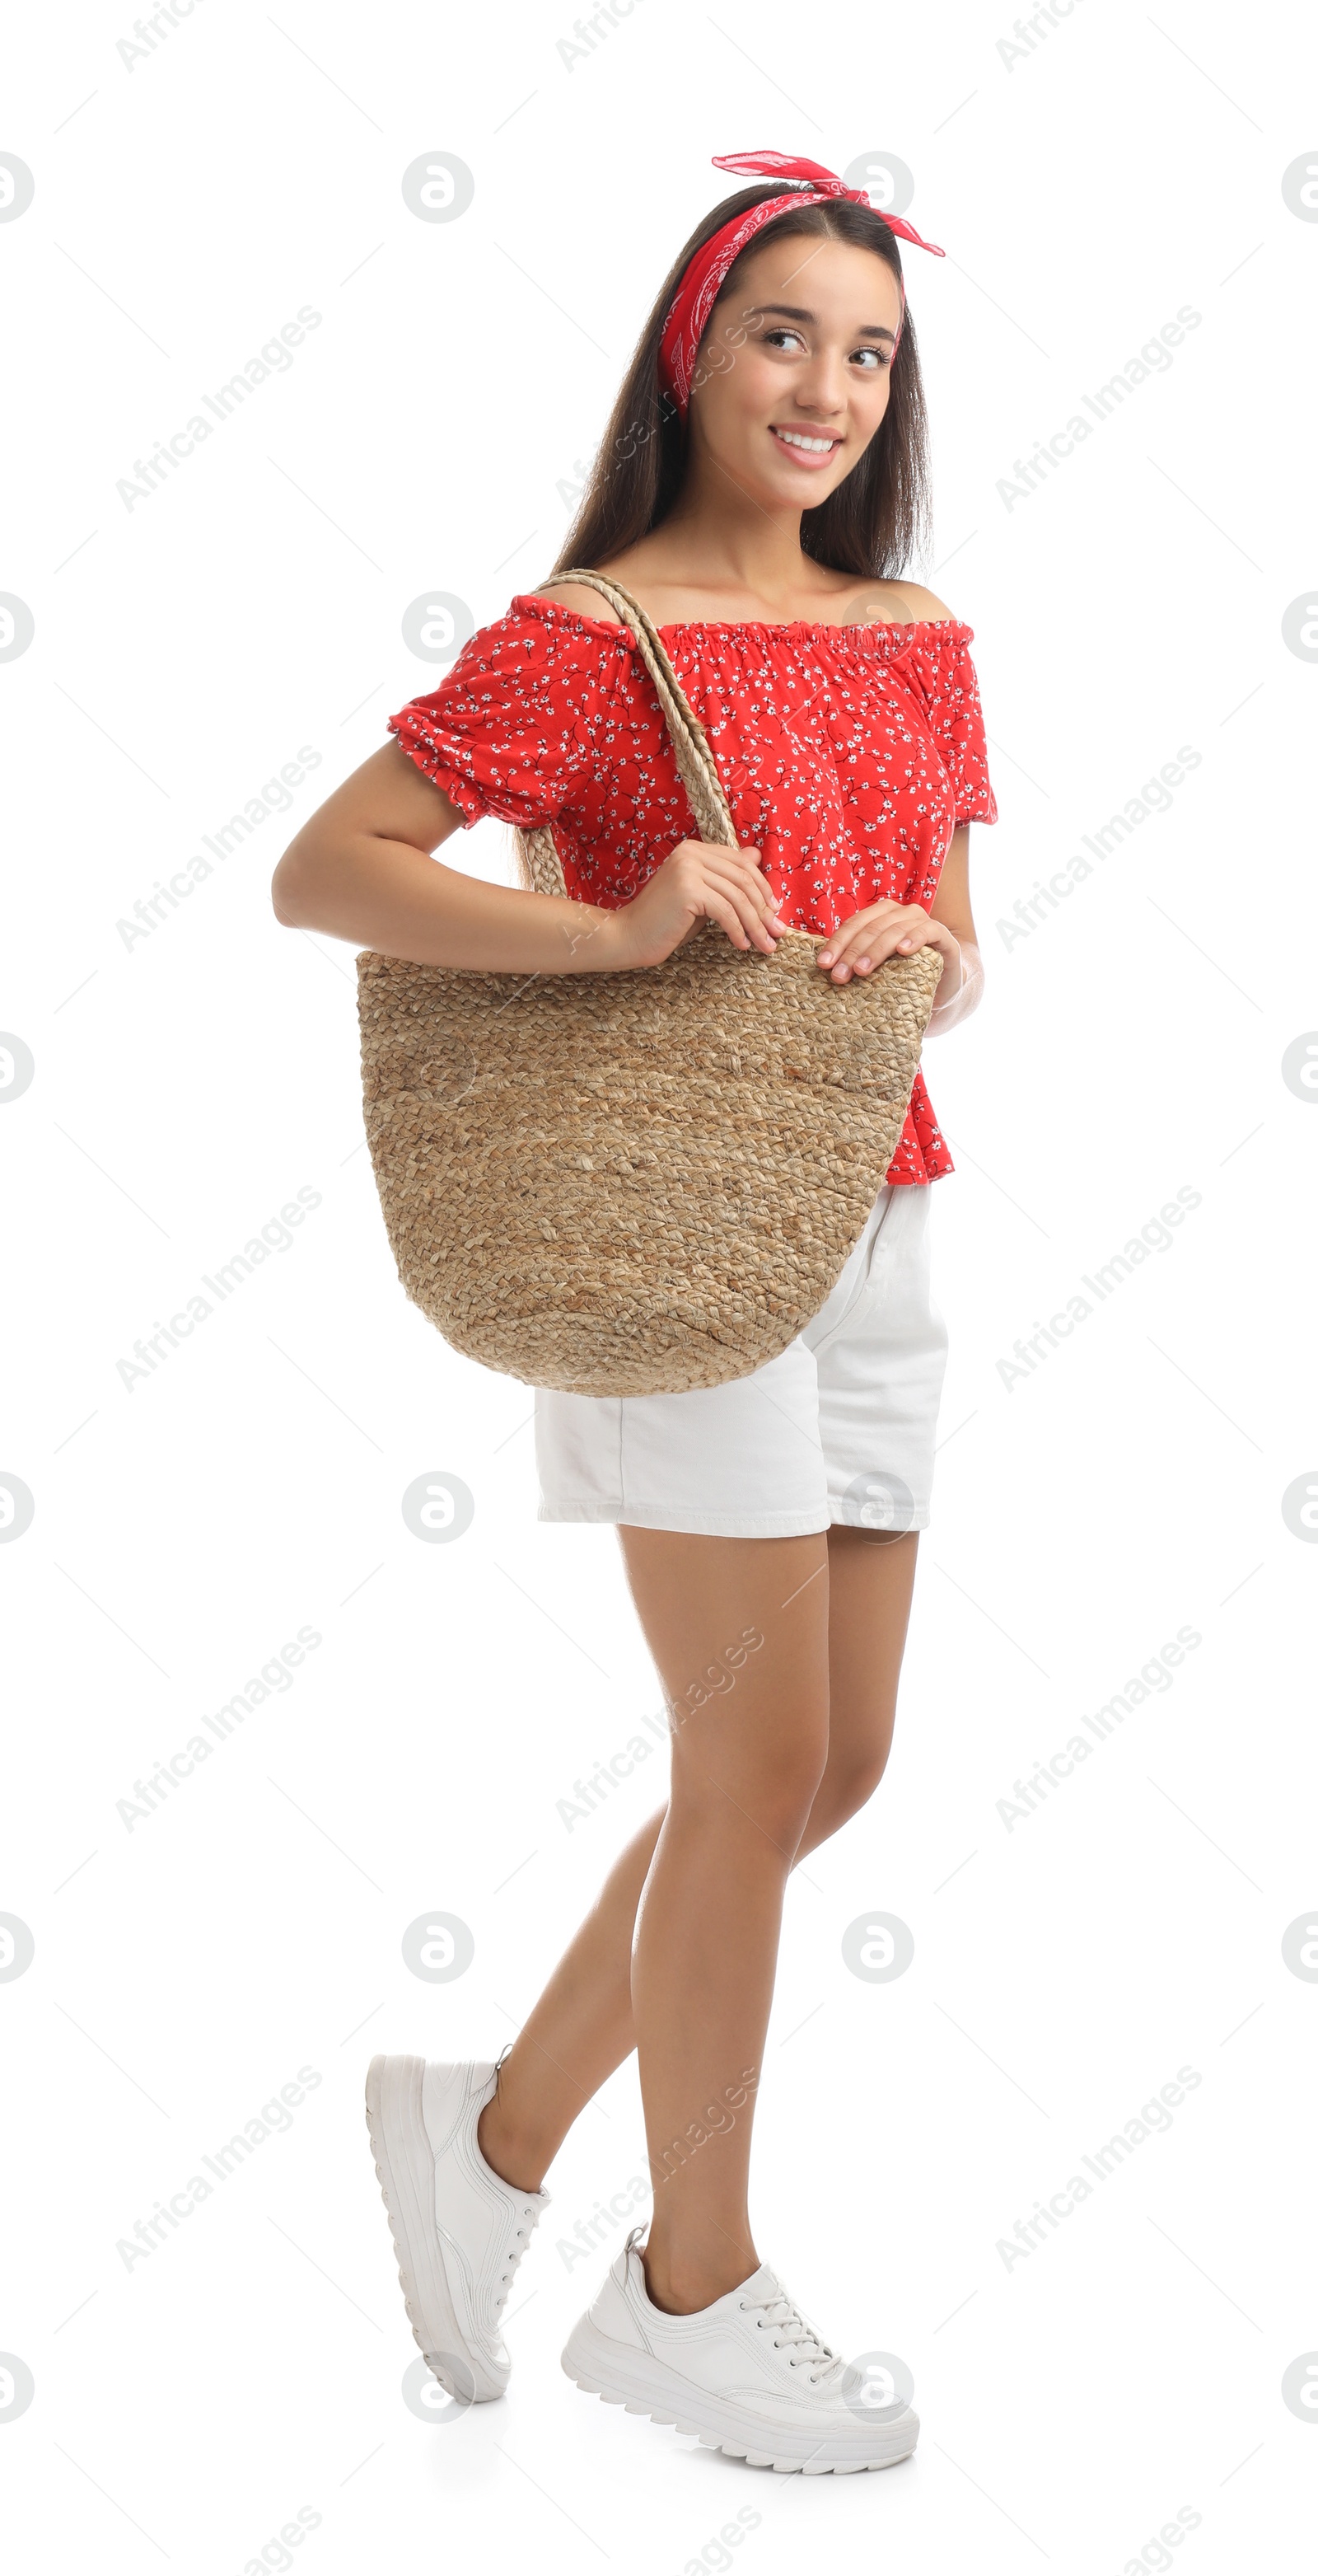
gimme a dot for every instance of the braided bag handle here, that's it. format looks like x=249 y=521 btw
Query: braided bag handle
x=695 y=761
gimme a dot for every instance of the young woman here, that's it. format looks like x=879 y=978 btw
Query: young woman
x=759 y=488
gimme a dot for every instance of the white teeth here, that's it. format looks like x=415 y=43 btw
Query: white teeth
x=813 y=446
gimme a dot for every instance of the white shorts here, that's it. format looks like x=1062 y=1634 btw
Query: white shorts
x=840 y=1427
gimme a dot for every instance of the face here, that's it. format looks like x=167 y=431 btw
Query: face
x=793 y=372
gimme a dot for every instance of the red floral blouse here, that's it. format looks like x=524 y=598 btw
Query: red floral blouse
x=848 y=755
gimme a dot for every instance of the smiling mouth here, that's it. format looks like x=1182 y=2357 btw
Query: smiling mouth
x=808 y=447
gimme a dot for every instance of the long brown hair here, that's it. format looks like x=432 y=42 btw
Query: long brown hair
x=875 y=519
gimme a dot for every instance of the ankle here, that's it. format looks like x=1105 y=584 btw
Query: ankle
x=681 y=2288
x=516 y=2160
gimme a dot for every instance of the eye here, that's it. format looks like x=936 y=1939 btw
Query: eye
x=881 y=357
x=781 y=332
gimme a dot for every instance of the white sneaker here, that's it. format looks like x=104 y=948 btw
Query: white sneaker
x=459 y=2230
x=748 y=2375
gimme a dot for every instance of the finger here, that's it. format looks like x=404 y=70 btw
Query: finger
x=742 y=868
x=859 y=955
x=756 y=904
x=721 y=909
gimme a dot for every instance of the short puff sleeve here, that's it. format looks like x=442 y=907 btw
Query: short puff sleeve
x=946 y=676
x=517 y=721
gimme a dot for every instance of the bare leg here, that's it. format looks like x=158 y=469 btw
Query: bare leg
x=745 y=1768
x=583 y=2025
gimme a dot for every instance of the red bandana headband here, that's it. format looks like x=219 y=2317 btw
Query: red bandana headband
x=704 y=274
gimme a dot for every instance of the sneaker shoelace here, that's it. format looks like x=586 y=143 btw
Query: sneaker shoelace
x=521 y=2239
x=790 y=2328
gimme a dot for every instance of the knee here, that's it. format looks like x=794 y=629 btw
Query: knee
x=783 y=1803
x=772 y=1796
x=843 y=1791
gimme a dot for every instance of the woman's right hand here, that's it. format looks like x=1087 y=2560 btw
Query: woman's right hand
x=698 y=881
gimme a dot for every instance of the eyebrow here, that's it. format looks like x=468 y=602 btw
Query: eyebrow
x=798 y=313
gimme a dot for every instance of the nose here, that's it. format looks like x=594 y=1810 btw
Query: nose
x=822 y=390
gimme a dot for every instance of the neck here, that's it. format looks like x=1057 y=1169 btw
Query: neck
x=717 y=537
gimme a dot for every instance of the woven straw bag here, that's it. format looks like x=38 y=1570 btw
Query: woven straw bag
x=635 y=1183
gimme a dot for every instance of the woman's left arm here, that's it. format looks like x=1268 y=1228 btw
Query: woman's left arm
x=898 y=929
x=957 y=996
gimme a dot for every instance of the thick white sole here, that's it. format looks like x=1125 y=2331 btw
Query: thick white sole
x=405 y=2164
x=644 y=2386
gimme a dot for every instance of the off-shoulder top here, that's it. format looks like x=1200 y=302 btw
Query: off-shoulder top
x=848 y=755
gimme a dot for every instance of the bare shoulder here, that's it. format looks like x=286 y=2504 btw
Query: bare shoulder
x=903 y=603
x=587 y=602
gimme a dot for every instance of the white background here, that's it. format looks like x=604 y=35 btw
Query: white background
x=188 y=1085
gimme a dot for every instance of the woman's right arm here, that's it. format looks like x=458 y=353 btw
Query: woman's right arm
x=361 y=869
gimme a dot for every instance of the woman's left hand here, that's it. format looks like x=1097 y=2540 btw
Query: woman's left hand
x=884 y=930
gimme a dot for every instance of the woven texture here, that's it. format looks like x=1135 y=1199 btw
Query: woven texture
x=639 y=1183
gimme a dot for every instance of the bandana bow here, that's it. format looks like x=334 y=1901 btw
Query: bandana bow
x=697 y=292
